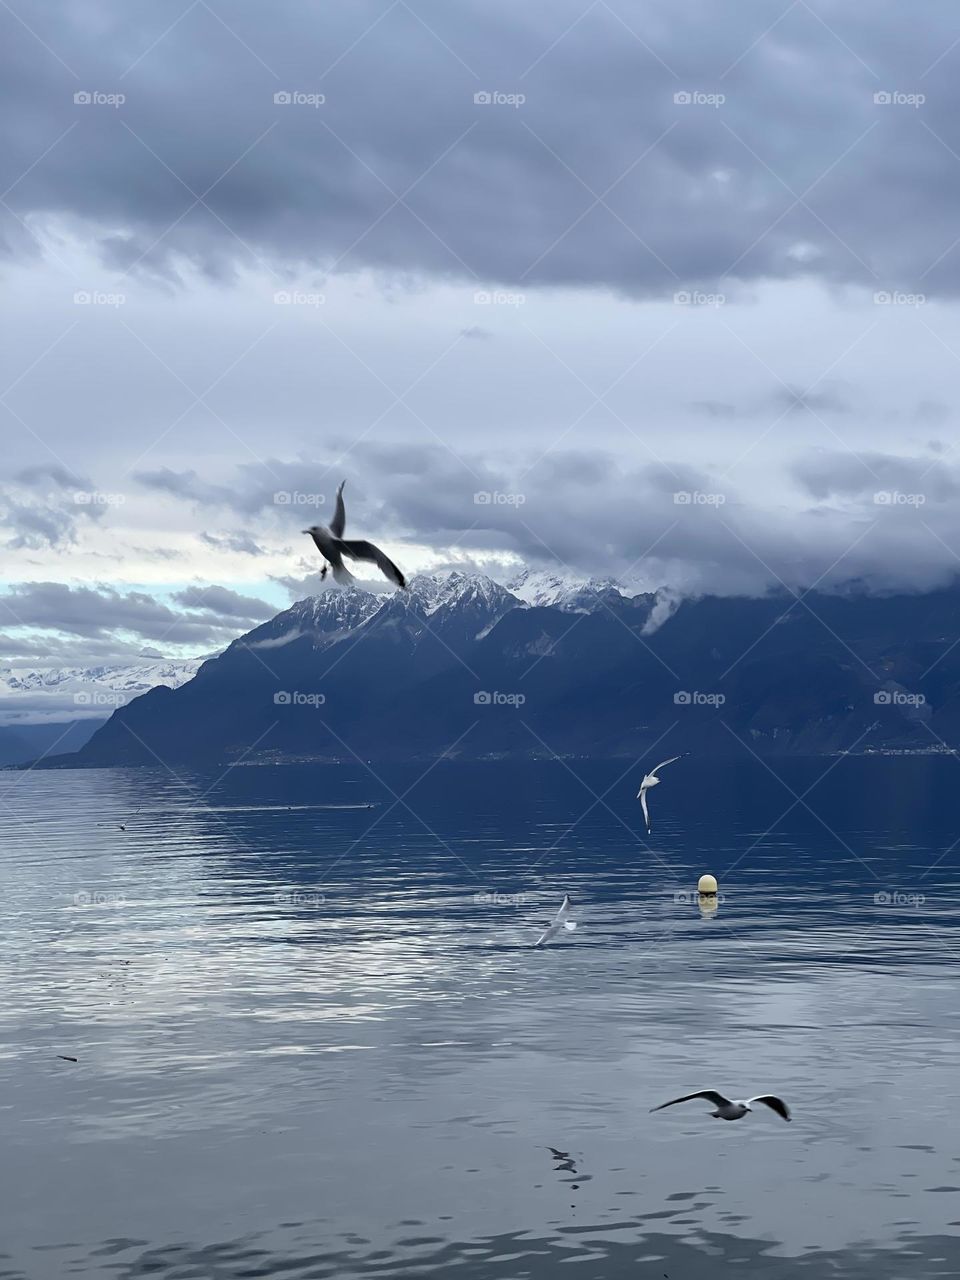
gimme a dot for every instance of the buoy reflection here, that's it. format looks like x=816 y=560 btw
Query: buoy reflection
x=708 y=903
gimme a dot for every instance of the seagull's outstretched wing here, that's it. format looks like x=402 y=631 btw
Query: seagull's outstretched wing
x=711 y=1095
x=547 y=935
x=665 y=762
x=646 y=811
x=564 y=911
x=339 y=521
x=367 y=551
x=774 y=1103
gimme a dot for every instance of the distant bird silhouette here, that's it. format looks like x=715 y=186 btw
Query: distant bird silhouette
x=333 y=547
x=728 y=1110
x=121 y=826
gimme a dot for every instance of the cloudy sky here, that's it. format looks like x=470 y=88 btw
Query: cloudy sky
x=660 y=290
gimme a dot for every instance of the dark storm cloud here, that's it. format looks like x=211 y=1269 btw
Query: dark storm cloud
x=185 y=484
x=895 y=527
x=45 y=505
x=52 y=473
x=94 y=613
x=46 y=649
x=224 y=603
x=598 y=178
x=835 y=474
x=669 y=521
x=289 y=488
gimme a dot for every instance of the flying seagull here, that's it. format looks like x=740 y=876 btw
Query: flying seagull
x=727 y=1110
x=333 y=547
x=560 y=923
x=650 y=780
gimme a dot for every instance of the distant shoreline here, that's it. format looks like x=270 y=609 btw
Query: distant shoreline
x=286 y=761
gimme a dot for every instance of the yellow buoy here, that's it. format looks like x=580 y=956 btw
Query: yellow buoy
x=707 y=884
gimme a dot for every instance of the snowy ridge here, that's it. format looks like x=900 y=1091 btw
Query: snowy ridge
x=547 y=588
x=455 y=590
x=335 y=609
x=133 y=679
x=38 y=694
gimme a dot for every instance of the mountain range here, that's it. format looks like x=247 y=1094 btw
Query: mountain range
x=462 y=665
x=59 y=708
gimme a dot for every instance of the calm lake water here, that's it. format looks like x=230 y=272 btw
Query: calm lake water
x=313 y=1039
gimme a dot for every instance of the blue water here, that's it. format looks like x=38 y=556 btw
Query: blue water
x=313 y=1039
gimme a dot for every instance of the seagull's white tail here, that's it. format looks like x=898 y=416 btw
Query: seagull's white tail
x=570 y=924
x=342 y=574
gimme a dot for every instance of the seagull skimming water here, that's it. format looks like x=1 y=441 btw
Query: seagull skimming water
x=728 y=1110
x=560 y=923
x=333 y=547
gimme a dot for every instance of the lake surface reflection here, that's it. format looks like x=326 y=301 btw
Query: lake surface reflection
x=313 y=1040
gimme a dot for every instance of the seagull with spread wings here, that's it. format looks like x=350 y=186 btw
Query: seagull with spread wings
x=729 y=1110
x=560 y=924
x=333 y=547
x=650 y=780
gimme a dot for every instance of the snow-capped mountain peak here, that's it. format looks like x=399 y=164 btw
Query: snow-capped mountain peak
x=460 y=590
x=548 y=588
